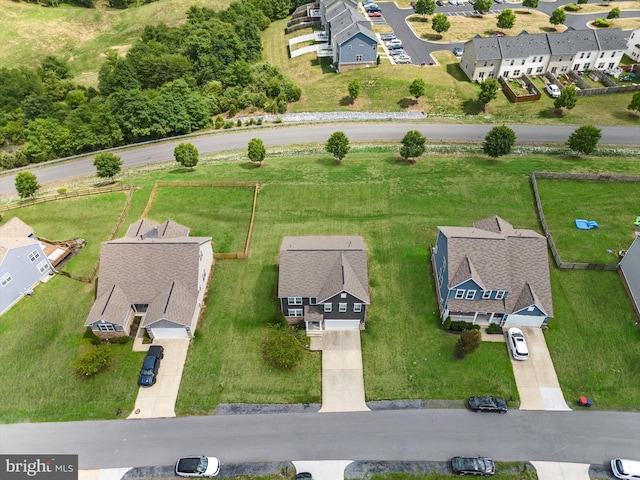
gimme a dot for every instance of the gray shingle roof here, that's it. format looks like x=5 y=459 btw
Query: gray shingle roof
x=349 y=32
x=523 y=45
x=159 y=271
x=503 y=258
x=323 y=266
x=612 y=39
x=572 y=41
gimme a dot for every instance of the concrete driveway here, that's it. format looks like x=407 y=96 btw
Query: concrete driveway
x=536 y=377
x=342 y=375
x=159 y=400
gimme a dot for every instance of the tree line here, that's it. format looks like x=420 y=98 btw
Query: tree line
x=171 y=82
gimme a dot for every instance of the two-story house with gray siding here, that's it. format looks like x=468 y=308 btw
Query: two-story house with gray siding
x=492 y=273
x=323 y=281
x=23 y=263
x=536 y=54
x=156 y=272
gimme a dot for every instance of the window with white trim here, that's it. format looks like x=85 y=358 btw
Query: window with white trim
x=5 y=279
x=539 y=69
x=358 y=58
x=471 y=294
x=343 y=295
x=43 y=266
x=294 y=300
x=459 y=294
x=33 y=256
x=106 y=327
x=600 y=65
x=357 y=307
x=328 y=307
x=342 y=307
x=486 y=294
x=313 y=301
x=500 y=294
x=294 y=312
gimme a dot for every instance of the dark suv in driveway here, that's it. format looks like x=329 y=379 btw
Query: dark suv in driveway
x=150 y=366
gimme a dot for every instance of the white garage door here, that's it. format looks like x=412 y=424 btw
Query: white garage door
x=522 y=321
x=169 y=333
x=342 y=324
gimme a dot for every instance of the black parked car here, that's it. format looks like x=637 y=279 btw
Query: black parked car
x=440 y=3
x=472 y=466
x=150 y=366
x=488 y=404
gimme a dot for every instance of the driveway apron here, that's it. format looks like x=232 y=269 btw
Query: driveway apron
x=342 y=375
x=536 y=378
x=561 y=471
x=159 y=400
x=323 y=470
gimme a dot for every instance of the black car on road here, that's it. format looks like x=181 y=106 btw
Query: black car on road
x=150 y=366
x=473 y=466
x=488 y=404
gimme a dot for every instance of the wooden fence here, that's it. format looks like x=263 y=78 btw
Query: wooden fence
x=256 y=188
x=61 y=196
x=593 y=177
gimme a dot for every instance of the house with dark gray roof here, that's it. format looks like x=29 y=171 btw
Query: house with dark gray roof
x=492 y=273
x=156 y=272
x=324 y=282
x=629 y=268
x=537 y=54
x=23 y=262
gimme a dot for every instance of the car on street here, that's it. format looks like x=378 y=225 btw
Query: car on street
x=197 y=466
x=553 y=90
x=473 y=466
x=304 y=476
x=488 y=403
x=404 y=58
x=457 y=51
x=440 y=3
x=374 y=14
x=150 y=366
x=517 y=343
x=625 y=469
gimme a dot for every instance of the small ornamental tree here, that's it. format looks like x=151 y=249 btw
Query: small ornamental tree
x=488 y=91
x=425 y=7
x=614 y=13
x=530 y=4
x=499 y=141
x=418 y=88
x=634 y=106
x=567 y=99
x=256 y=151
x=440 y=23
x=354 y=88
x=280 y=349
x=107 y=165
x=93 y=361
x=585 y=139
x=26 y=184
x=483 y=5
x=468 y=342
x=186 y=154
x=338 y=146
x=506 y=19
x=558 y=17
x=413 y=145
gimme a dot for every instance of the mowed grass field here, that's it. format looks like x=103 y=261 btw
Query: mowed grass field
x=396 y=207
x=30 y=32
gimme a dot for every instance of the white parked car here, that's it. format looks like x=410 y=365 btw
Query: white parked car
x=517 y=344
x=626 y=469
x=553 y=90
x=402 y=58
x=396 y=43
x=197 y=467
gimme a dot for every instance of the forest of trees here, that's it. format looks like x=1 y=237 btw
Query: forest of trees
x=171 y=82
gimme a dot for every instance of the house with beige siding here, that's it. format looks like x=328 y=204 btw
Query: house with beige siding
x=156 y=272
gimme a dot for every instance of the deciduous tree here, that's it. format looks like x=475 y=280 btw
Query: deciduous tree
x=506 y=19
x=585 y=139
x=488 y=91
x=26 y=184
x=530 y=4
x=186 y=154
x=499 y=141
x=354 y=88
x=418 y=88
x=558 y=17
x=634 y=106
x=413 y=145
x=338 y=146
x=614 y=13
x=567 y=99
x=107 y=165
x=440 y=23
x=256 y=151
x=483 y=5
x=425 y=7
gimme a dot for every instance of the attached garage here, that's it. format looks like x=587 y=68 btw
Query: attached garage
x=342 y=324
x=523 y=321
x=176 y=332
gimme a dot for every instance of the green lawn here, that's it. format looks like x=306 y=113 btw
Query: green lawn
x=397 y=208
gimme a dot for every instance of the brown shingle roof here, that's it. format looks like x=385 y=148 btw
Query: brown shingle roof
x=15 y=233
x=503 y=258
x=323 y=266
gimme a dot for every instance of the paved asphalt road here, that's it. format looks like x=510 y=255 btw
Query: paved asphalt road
x=286 y=135
x=584 y=436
